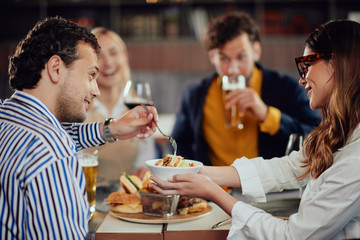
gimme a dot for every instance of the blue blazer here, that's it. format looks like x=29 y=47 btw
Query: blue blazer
x=279 y=91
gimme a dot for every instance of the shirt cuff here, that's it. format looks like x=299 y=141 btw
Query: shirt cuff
x=271 y=124
x=250 y=180
x=240 y=214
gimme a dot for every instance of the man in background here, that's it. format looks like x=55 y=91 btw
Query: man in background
x=274 y=105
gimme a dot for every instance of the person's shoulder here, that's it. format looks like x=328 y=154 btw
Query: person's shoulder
x=204 y=83
x=34 y=146
x=39 y=130
x=274 y=74
x=347 y=158
x=275 y=79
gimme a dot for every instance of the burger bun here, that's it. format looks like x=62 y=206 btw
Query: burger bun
x=124 y=203
x=127 y=208
x=196 y=207
x=128 y=185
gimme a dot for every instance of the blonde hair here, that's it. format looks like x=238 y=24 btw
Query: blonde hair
x=100 y=31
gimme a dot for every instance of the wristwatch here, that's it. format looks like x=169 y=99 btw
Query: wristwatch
x=107 y=134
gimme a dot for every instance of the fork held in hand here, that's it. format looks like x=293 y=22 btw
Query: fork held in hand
x=170 y=138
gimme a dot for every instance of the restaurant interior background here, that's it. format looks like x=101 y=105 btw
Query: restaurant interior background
x=163 y=36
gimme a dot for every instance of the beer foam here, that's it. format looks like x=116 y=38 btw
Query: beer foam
x=87 y=160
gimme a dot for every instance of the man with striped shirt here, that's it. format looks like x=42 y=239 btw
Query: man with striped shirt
x=42 y=186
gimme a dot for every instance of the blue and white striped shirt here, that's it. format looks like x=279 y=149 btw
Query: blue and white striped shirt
x=42 y=186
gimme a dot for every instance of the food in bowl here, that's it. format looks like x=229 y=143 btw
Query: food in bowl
x=165 y=172
x=173 y=161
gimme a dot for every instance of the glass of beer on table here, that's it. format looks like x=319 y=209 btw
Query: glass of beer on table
x=233 y=117
x=89 y=163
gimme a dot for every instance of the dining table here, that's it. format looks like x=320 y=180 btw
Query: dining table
x=106 y=225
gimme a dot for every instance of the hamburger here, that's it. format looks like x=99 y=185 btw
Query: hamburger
x=130 y=183
x=124 y=203
x=191 y=205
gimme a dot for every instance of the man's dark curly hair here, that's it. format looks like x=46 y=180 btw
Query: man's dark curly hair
x=227 y=27
x=52 y=36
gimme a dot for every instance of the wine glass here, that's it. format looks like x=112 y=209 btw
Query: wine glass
x=295 y=143
x=136 y=93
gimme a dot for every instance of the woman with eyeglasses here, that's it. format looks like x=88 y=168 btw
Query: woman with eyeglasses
x=328 y=163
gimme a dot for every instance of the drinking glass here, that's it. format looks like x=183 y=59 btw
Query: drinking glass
x=233 y=117
x=136 y=94
x=295 y=143
x=89 y=163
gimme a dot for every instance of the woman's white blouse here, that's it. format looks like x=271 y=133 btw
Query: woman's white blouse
x=329 y=208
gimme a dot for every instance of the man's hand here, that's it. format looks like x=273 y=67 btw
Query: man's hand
x=247 y=100
x=135 y=123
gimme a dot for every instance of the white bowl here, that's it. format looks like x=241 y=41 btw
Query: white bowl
x=166 y=173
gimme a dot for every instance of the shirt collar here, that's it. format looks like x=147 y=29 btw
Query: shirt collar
x=36 y=106
x=355 y=135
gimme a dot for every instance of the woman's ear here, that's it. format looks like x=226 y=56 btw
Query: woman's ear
x=257 y=51
x=53 y=68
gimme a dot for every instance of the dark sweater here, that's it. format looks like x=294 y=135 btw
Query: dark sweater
x=279 y=91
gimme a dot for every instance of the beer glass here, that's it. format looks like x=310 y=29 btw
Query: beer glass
x=233 y=117
x=89 y=163
x=295 y=143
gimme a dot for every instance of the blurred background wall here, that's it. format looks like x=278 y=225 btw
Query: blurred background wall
x=163 y=36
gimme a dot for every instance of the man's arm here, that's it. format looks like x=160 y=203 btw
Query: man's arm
x=85 y=135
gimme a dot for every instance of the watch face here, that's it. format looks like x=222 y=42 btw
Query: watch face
x=107 y=121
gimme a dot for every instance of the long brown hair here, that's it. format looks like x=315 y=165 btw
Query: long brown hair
x=341 y=115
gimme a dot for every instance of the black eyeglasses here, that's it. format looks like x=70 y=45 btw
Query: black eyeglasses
x=303 y=63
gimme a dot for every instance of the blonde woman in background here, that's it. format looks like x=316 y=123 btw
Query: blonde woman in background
x=123 y=155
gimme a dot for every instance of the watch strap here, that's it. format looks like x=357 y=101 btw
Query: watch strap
x=107 y=133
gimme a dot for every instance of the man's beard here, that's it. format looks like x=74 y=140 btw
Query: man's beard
x=67 y=110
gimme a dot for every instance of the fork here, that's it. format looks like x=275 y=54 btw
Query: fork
x=170 y=138
x=221 y=223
